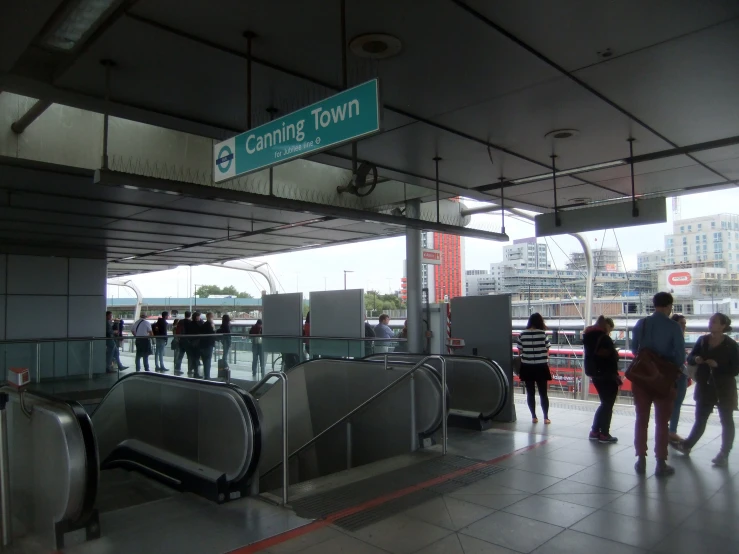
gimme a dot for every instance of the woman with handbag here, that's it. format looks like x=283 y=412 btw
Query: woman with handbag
x=717 y=358
x=601 y=365
x=533 y=349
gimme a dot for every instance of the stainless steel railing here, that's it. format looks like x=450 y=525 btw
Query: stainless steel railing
x=285 y=479
x=408 y=375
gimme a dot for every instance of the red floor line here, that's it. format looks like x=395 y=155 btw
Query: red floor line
x=328 y=520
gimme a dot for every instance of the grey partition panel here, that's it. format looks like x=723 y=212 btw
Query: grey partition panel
x=283 y=315
x=485 y=324
x=337 y=313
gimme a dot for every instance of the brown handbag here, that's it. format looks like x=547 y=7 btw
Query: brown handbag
x=652 y=372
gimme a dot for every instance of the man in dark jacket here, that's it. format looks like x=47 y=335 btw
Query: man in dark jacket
x=601 y=365
x=192 y=327
x=160 y=334
x=207 y=343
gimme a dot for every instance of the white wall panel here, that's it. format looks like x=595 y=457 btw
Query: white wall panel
x=337 y=313
x=86 y=316
x=87 y=277
x=37 y=275
x=30 y=317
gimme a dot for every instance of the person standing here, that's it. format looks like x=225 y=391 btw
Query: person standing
x=180 y=330
x=225 y=330
x=118 y=333
x=682 y=387
x=160 y=332
x=257 y=349
x=109 y=342
x=383 y=331
x=601 y=365
x=533 y=348
x=193 y=344
x=717 y=358
x=143 y=333
x=207 y=343
x=663 y=336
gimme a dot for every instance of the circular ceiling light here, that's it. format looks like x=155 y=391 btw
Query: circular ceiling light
x=375 y=46
x=562 y=134
x=581 y=200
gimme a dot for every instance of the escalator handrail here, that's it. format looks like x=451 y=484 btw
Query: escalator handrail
x=249 y=403
x=380 y=393
x=92 y=462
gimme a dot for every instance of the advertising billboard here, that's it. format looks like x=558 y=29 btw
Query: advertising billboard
x=679 y=282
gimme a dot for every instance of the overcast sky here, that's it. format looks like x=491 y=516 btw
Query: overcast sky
x=378 y=265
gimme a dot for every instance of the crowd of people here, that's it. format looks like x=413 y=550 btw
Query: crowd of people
x=659 y=376
x=193 y=338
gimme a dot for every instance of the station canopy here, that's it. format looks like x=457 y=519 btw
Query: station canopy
x=505 y=93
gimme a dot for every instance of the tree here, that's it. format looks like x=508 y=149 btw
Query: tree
x=205 y=291
x=375 y=302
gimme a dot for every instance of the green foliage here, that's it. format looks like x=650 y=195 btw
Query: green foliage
x=205 y=291
x=376 y=303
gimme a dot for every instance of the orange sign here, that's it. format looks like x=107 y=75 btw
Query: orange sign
x=432 y=257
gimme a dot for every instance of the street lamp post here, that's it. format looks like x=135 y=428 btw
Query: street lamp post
x=345 y=272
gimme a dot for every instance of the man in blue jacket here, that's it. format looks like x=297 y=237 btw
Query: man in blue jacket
x=664 y=337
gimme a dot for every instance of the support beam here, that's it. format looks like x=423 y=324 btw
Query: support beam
x=30 y=116
x=413 y=272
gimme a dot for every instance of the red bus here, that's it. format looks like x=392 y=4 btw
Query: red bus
x=566 y=365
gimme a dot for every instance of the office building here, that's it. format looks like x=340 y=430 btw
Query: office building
x=526 y=254
x=709 y=241
x=646 y=261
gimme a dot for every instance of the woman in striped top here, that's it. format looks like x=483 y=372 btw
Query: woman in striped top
x=533 y=347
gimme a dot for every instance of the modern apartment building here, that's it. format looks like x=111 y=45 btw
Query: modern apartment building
x=526 y=254
x=704 y=241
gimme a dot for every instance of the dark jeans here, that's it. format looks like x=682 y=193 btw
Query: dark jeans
x=143 y=350
x=193 y=359
x=179 y=354
x=702 y=412
x=543 y=397
x=607 y=391
x=257 y=358
x=682 y=388
x=206 y=354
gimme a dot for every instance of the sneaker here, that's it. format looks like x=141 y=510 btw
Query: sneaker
x=641 y=465
x=682 y=448
x=721 y=460
x=178 y=372
x=163 y=369
x=605 y=438
x=594 y=435
x=663 y=470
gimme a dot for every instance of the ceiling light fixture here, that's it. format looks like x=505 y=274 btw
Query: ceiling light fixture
x=375 y=46
x=566 y=172
x=562 y=134
x=76 y=22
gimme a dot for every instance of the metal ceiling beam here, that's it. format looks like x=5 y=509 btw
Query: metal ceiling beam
x=121 y=179
x=641 y=158
x=551 y=63
x=30 y=116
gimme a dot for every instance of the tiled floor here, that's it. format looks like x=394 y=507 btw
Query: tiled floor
x=566 y=496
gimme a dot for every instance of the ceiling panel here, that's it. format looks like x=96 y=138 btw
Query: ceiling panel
x=573 y=32
x=686 y=89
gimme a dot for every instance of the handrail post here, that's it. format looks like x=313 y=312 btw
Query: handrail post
x=90 y=365
x=38 y=362
x=443 y=405
x=6 y=515
x=285 y=479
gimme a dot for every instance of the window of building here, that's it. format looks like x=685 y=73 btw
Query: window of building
x=705 y=238
x=713 y=224
x=723 y=225
x=685 y=240
x=685 y=250
x=700 y=226
x=669 y=241
x=697 y=238
x=717 y=237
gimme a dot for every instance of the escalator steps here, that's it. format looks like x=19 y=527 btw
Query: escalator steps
x=323 y=504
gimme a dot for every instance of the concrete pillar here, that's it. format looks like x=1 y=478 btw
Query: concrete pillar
x=415 y=283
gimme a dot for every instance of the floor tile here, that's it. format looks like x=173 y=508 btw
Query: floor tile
x=401 y=534
x=587 y=499
x=448 y=512
x=553 y=468
x=488 y=486
x=572 y=542
x=549 y=510
x=302 y=542
x=457 y=543
x=522 y=480
x=688 y=541
x=574 y=487
x=595 y=475
x=512 y=531
x=494 y=501
x=343 y=544
x=719 y=524
x=650 y=509
x=620 y=528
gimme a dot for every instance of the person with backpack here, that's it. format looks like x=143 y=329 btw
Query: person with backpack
x=143 y=333
x=160 y=332
x=182 y=342
x=601 y=365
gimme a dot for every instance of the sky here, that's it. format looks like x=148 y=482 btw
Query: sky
x=378 y=265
